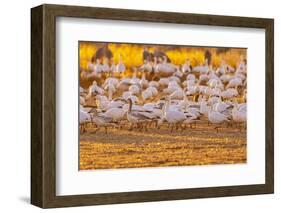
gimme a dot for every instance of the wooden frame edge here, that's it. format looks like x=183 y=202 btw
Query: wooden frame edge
x=269 y=105
x=37 y=197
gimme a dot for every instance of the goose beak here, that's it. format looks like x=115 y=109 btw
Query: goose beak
x=93 y=110
x=129 y=100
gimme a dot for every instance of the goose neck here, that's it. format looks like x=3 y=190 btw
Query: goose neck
x=130 y=105
x=167 y=106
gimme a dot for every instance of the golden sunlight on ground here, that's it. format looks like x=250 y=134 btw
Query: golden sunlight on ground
x=159 y=148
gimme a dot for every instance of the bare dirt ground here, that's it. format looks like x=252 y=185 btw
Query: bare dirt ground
x=159 y=147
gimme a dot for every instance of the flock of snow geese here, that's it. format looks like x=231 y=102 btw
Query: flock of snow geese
x=161 y=93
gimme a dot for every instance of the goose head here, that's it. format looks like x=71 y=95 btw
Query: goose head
x=93 y=111
x=105 y=61
x=98 y=61
x=129 y=100
x=121 y=100
x=94 y=83
x=165 y=59
x=235 y=106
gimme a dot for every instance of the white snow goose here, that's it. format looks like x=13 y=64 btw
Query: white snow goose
x=137 y=118
x=217 y=118
x=102 y=120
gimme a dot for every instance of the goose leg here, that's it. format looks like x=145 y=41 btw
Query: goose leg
x=179 y=126
x=139 y=126
x=217 y=128
x=131 y=127
x=158 y=126
x=182 y=127
x=143 y=126
x=146 y=129
x=155 y=124
x=172 y=128
x=93 y=124
x=96 y=130
x=240 y=127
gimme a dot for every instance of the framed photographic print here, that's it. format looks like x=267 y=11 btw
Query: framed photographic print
x=136 y=106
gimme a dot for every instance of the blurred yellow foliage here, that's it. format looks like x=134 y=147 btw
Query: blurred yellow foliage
x=132 y=54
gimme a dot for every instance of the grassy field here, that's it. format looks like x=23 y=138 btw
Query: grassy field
x=159 y=148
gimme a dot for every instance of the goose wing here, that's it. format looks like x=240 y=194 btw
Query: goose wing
x=175 y=116
x=105 y=119
x=149 y=114
x=140 y=115
x=218 y=117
